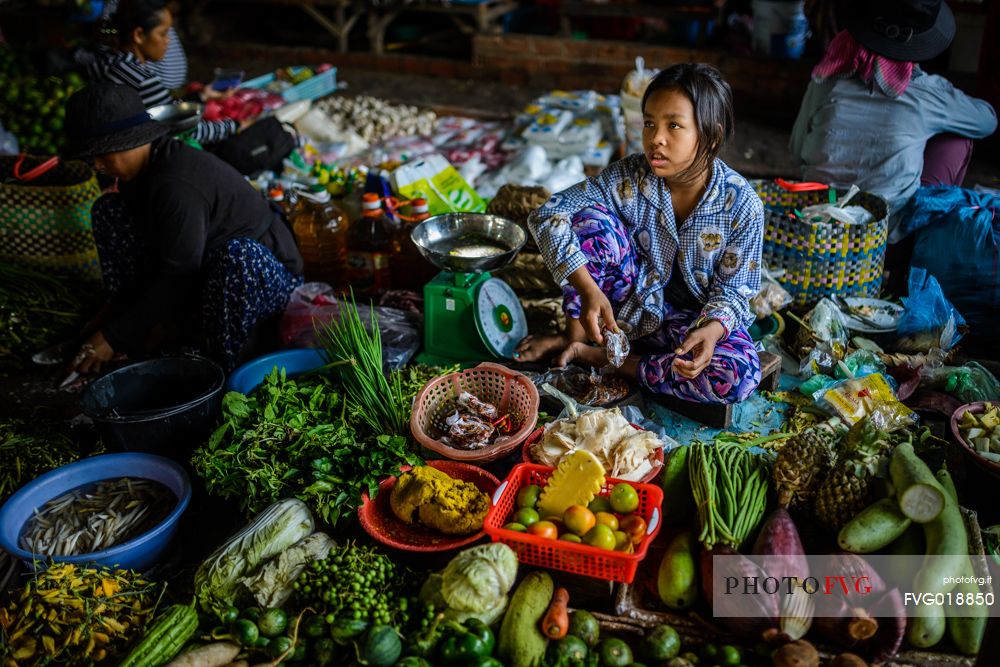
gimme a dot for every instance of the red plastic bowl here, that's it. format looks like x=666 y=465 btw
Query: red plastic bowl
x=970 y=451
x=379 y=521
x=537 y=435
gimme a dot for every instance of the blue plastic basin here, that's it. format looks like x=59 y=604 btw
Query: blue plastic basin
x=246 y=378
x=139 y=553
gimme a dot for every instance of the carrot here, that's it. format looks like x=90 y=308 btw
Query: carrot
x=555 y=623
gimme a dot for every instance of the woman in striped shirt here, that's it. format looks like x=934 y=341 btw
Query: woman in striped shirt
x=141 y=35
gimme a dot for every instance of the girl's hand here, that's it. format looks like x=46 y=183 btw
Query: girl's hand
x=595 y=310
x=95 y=352
x=701 y=342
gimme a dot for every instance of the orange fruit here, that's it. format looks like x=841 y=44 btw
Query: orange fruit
x=621 y=540
x=600 y=536
x=578 y=519
x=544 y=529
x=634 y=526
x=624 y=498
x=607 y=519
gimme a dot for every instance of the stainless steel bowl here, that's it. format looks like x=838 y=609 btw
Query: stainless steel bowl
x=180 y=117
x=438 y=237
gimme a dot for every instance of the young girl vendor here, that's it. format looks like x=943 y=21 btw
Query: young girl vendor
x=664 y=247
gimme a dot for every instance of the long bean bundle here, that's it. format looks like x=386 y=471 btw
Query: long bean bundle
x=729 y=484
x=377 y=398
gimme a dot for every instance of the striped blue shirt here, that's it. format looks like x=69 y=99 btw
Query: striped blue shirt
x=717 y=247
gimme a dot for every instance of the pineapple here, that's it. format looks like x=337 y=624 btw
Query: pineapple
x=846 y=490
x=803 y=461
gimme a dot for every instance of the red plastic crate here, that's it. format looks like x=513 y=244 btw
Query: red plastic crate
x=566 y=556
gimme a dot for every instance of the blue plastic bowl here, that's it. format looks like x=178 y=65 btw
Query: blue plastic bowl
x=139 y=553
x=246 y=378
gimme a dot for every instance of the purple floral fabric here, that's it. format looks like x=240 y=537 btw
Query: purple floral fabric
x=731 y=376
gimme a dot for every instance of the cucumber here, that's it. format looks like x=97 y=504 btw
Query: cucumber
x=165 y=638
x=677 y=579
x=521 y=643
x=920 y=496
x=926 y=627
x=874 y=527
x=677 y=487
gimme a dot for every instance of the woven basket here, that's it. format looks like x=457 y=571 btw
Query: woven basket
x=822 y=259
x=511 y=392
x=45 y=222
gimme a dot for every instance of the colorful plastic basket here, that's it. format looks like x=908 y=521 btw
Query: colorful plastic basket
x=379 y=521
x=540 y=431
x=820 y=259
x=567 y=556
x=511 y=392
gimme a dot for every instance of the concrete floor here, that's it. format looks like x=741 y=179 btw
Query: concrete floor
x=758 y=150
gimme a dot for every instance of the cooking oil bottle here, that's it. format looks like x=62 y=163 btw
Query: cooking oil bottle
x=409 y=269
x=369 y=246
x=321 y=229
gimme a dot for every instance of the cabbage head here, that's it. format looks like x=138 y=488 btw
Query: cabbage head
x=478 y=579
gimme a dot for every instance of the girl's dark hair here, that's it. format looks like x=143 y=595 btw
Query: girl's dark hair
x=132 y=14
x=712 y=99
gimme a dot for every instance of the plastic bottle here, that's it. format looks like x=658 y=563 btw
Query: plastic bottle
x=409 y=269
x=286 y=201
x=321 y=229
x=369 y=247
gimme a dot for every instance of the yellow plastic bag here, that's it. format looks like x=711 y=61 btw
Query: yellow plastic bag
x=437 y=181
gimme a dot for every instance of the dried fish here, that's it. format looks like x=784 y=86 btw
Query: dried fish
x=89 y=519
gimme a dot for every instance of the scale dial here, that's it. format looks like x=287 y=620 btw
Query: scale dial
x=499 y=317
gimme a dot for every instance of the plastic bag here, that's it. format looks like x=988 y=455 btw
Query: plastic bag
x=436 y=180
x=771 y=298
x=929 y=319
x=854 y=399
x=633 y=87
x=314 y=303
x=968 y=383
x=8 y=142
x=838 y=211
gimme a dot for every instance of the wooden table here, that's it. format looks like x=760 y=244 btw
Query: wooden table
x=471 y=18
x=335 y=16
x=643 y=9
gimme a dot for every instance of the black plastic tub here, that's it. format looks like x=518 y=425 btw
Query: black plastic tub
x=163 y=406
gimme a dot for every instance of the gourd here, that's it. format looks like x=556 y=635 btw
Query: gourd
x=165 y=638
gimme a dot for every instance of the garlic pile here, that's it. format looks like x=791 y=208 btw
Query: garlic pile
x=375 y=119
x=625 y=451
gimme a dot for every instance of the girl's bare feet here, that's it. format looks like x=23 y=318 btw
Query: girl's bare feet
x=536 y=348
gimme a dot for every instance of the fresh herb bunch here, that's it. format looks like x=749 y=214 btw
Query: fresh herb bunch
x=29 y=448
x=356 y=585
x=377 y=399
x=299 y=439
x=36 y=310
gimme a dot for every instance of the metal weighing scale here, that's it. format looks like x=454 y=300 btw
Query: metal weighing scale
x=468 y=314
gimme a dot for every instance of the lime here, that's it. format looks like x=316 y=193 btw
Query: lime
x=624 y=498
x=525 y=516
x=600 y=536
x=568 y=650
x=582 y=624
x=517 y=527
x=662 y=643
x=729 y=655
x=528 y=496
x=570 y=537
x=614 y=653
x=599 y=504
x=709 y=652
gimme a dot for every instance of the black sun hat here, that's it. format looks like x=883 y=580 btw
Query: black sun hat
x=907 y=30
x=107 y=118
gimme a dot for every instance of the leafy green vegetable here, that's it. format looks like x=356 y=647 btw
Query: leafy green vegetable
x=474 y=584
x=298 y=439
x=29 y=448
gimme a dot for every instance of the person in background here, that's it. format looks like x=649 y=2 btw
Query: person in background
x=872 y=117
x=140 y=35
x=173 y=68
x=663 y=246
x=186 y=244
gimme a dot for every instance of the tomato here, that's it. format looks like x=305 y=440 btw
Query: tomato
x=607 y=519
x=516 y=527
x=570 y=537
x=545 y=529
x=634 y=526
x=525 y=516
x=599 y=504
x=600 y=536
x=578 y=519
x=624 y=498
x=621 y=540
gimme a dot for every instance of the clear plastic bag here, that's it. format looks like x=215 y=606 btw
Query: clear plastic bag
x=968 y=383
x=771 y=298
x=315 y=303
x=857 y=398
